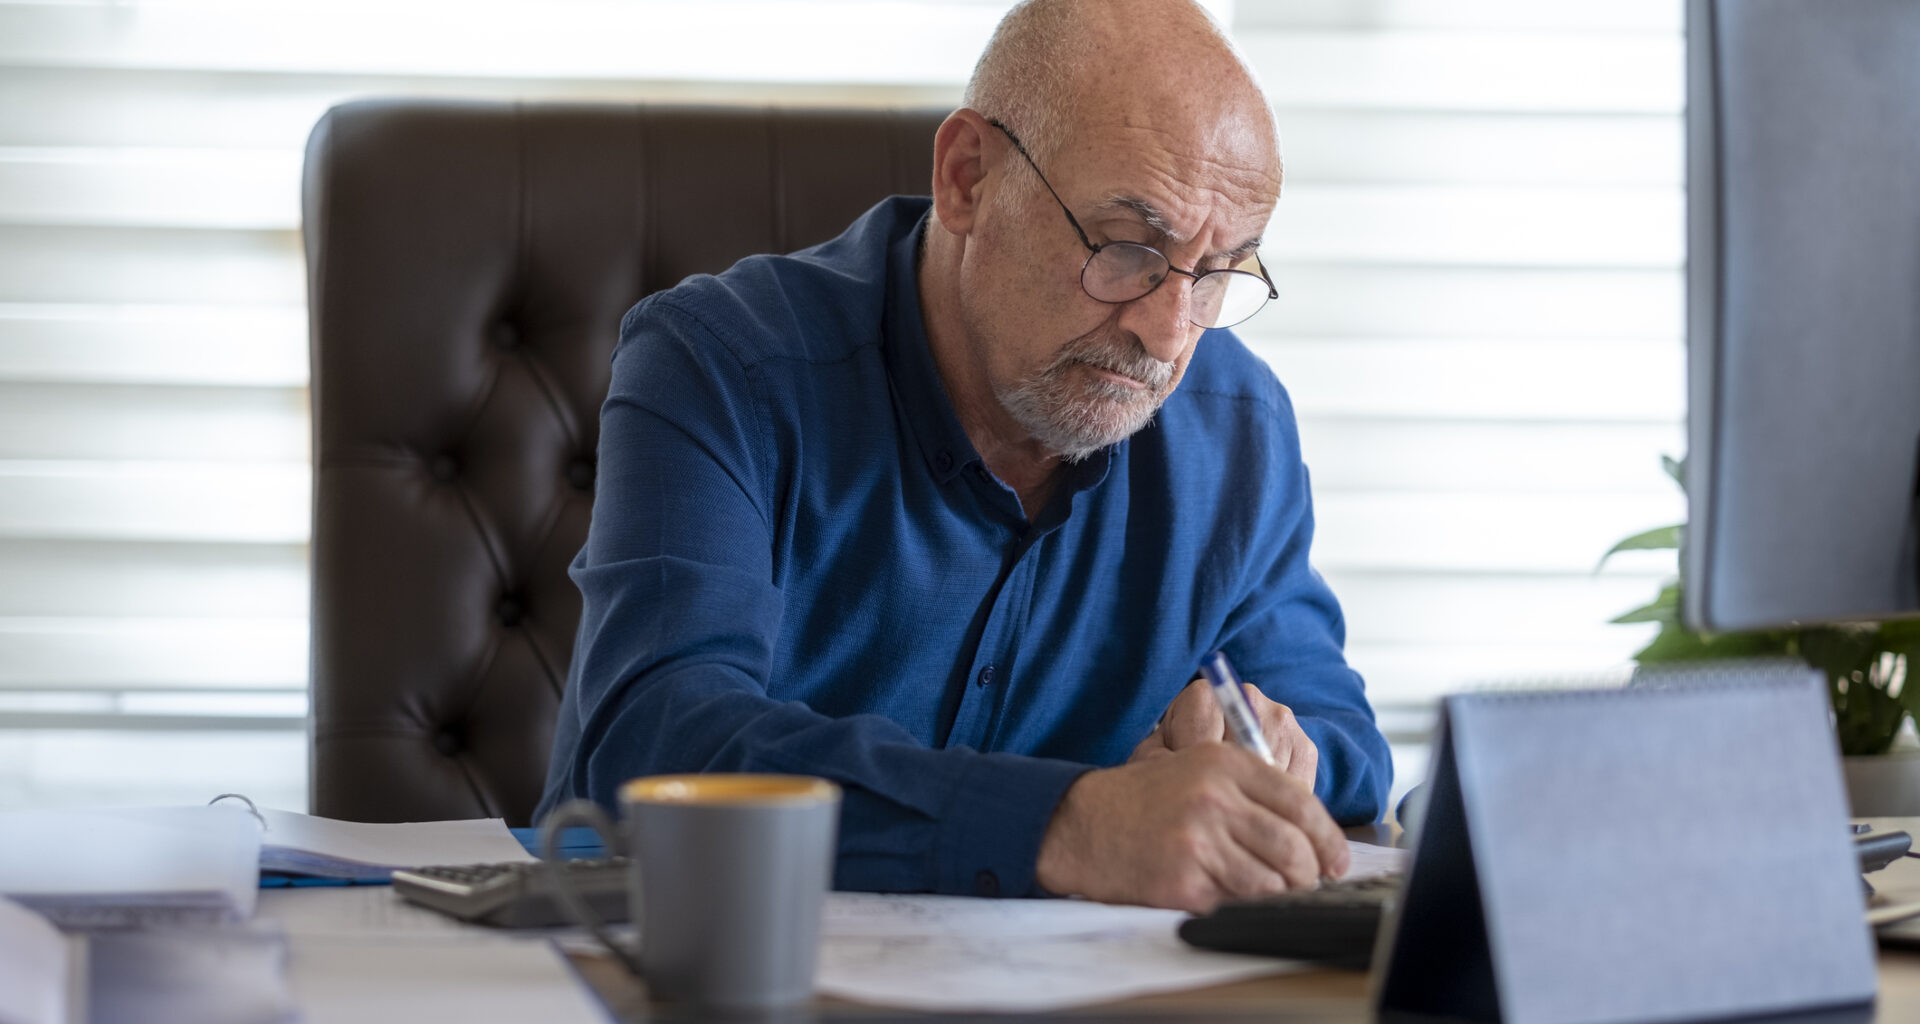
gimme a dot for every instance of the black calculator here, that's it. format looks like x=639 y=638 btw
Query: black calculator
x=517 y=895
x=1334 y=924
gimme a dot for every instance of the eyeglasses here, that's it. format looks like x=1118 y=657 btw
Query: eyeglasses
x=1119 y=272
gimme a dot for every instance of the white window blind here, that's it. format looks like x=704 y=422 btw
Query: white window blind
x=1478 y=253
x=153 y=361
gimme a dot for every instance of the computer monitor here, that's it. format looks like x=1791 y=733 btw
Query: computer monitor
x=1803 y=307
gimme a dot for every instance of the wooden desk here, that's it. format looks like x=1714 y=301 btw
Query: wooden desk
x=1330 y=996
x=1317 y=995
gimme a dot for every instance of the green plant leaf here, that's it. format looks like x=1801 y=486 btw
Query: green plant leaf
x=1840 y=650
x=1676 y=643
x=1677 y=469
x=1900 y=634
x=1663 y=539
x=1664 y=609
x=1655 y=612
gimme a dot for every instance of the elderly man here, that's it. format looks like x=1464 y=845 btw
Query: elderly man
x=949 y=509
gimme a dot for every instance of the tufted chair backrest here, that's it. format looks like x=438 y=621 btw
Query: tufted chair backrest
x=468 y=265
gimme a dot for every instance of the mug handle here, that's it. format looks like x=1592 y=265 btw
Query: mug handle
x=590 y=814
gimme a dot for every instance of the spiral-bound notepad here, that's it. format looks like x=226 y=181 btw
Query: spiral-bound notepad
x=1668 y=852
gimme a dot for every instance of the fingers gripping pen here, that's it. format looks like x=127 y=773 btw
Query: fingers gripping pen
x=1242 y=725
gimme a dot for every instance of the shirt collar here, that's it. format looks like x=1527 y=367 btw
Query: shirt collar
x=917 y=388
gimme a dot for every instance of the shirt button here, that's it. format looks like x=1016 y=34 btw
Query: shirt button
x=986 y=883
x=986 y=676
x=945 y=461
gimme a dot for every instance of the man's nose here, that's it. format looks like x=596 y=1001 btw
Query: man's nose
x=1162 y=318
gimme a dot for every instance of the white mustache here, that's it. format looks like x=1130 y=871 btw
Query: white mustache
x=1136 y=365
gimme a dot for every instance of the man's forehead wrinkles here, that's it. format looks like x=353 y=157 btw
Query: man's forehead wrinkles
x=1146 y=211
x=1158 y=222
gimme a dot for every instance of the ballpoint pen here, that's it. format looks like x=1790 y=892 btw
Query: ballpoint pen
x=1242 y=725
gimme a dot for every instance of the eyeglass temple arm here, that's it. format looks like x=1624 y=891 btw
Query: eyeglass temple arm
x=1272 y=292
x=1028 y=157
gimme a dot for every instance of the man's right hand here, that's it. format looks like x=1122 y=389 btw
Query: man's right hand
x=1187 y=830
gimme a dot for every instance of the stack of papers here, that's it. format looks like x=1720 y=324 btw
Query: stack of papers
x=128 y=867
x=43 y=974
x=122 y=868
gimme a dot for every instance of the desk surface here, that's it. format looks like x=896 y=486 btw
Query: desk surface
x=1332 y=996
x=359 y=956
x=1317 y=995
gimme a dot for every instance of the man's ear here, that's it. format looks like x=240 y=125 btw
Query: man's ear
x=961 y=155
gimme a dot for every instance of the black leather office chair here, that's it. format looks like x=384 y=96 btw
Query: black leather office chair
x=467 y=266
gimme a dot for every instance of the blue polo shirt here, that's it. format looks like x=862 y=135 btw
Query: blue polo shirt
x=798 y=563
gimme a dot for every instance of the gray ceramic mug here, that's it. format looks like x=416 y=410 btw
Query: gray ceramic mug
x=729 y=874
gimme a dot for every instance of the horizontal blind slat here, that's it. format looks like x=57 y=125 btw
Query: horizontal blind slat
x=1418 y=674
x=132 y=343
x=1506 y=226
x=264 y=503
x=96 y=265
x=1405 y=608
x=171 y=653
x=1563 y=533
x=105 y=578
x=53 y=106
x=1437 y=148
x=1360 y=454
x=1660 y=16
x=102 y=763
x=150 y=187
x=1456 y=302
x=741 y=40
x=112 y=421
x=1494 y=72
x=1620 y=381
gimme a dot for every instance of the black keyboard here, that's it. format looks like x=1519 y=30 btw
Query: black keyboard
x=1334 y=924
x=518 y=895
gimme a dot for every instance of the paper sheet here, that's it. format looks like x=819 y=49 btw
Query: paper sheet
x=322 y=846
x=1370 y=860
x=961 y=953
x=955 y=953
x=114 y=867
x=43 y=974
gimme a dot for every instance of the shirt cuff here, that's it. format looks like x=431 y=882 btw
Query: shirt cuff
x=989 y=837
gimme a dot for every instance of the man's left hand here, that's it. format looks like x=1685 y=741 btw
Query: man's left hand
x=1194 y=718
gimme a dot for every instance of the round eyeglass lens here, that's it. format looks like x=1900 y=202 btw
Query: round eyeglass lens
x=1226 y=297
x=1122 y=272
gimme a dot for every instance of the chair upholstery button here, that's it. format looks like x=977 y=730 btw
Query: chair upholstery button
x=447 y=741
x=506 y=336
x=443 y=467
x=509 y=611
x=986 y=883
x=580 y=474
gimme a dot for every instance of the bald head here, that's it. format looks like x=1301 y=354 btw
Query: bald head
x=1144 y=127
x=1054 y=67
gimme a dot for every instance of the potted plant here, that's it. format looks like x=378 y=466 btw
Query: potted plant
x=1865 y=665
